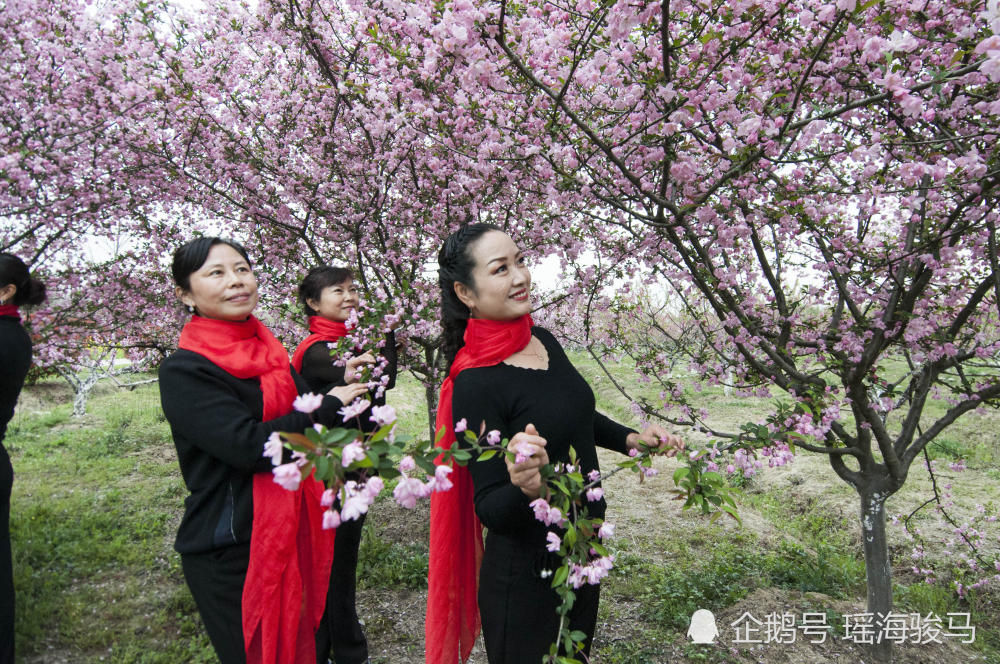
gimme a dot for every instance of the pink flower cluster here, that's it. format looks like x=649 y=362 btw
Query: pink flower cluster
x=355 y=499
x=591 y=573
x=546 y=513
x=410 y=489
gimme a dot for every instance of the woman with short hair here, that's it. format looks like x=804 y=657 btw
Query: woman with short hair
x=253 y=553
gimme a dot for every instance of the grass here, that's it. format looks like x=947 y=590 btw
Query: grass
x=96 y=504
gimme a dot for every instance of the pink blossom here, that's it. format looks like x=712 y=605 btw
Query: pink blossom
x=353 y=451
x=355 y=409
x=553 y=542
x=383 y=415
x=354 y=507
x=273 y=448
x=493 y=437
x=408 y=490
x=307 y=403
x=546 y=513
x=331 y=519
x=373 y=487
x=595 y=493
x=524 y=452
x=406 y=464
x=441 y=481
x=328 y=498
x=288 y=476
x=461 y=425
x=606 y=531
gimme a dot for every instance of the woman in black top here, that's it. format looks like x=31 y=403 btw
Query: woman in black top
x=536 y=399
x=329 y=296
x=218 y=393
x=17 y=288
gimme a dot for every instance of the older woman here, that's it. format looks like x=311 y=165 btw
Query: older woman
x=253 y=553
x=17 y=288
x=506 y=374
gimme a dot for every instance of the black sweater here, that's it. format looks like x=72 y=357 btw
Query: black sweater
x=216 y=422
x=15 y=358
x=321 y=374
x=559 y=403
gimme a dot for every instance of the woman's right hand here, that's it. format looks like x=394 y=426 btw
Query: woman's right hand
x=526 y=474
x=351 y=373
x=348 y=393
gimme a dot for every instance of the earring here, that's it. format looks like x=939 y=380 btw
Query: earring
x=3 y=302
x=190 y=308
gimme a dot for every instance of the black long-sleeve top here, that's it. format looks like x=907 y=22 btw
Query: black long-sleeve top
x=15 y=358
x=321 y=374
x=216 y=422
x=561 y=405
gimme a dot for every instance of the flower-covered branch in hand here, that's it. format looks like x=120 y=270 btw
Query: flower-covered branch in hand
x=576 y=539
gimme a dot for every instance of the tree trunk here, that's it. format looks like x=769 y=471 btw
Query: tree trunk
x=878 y=572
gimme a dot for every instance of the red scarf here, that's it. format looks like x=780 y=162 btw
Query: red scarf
x=9 y=310
x=323 y=329
x=456 y=535
x=290 y=554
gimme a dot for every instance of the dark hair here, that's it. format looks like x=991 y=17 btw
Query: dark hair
x=316 y=280
x=190 y=256
x=455 y=265
x=14 y=271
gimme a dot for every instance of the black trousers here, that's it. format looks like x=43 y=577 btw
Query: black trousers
x=518 y=607
x=6 y=562
x=340 y=630
x=216 y=580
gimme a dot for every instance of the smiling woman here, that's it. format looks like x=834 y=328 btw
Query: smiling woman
x=329 y=296
x=509 y=376
x=253 y=554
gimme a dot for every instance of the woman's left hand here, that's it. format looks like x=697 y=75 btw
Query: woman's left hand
x=657 y=437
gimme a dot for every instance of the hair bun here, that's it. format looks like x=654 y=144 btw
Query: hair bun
x=33 y=292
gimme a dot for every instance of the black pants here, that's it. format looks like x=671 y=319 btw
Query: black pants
x=216 y=580
x=340 y=630
x=518 y=607
x=6 y=562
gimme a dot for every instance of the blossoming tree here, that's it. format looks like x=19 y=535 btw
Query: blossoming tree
x=824 y=178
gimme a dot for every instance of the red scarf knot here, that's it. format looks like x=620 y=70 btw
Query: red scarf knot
x=323 y=329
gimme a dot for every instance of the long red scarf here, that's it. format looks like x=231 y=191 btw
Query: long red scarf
x=290 y=554
x=10 y=310
x=456 y=547
x=323 y=329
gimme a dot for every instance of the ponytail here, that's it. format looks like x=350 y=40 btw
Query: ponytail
x=14 y=271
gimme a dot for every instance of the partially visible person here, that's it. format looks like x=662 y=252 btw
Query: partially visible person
x=329 y=296
x=253 y=553
x=17 y=288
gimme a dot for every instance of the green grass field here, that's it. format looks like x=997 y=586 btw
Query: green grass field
x=96 y=502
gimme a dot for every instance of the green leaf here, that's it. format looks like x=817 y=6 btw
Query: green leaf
x=559 y=577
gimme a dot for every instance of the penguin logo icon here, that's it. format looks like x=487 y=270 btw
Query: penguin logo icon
x=703 y=629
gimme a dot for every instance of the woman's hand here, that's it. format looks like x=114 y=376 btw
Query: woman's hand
x=526 y=474
x=351 y=371
x=657 y=437
x=348 y=393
